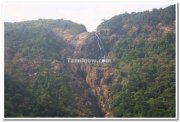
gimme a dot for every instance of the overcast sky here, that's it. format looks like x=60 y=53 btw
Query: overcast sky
x=89 y=14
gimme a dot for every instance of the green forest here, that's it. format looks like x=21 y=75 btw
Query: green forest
x=139 y=82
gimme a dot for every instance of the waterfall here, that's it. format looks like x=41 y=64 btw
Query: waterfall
x=101 y=47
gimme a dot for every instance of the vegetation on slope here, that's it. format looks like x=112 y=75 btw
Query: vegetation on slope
x=150 y=91
x=39 y=83
x=145 y=54
x=36 y=81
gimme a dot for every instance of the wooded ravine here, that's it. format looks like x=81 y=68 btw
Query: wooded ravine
x=139 y=82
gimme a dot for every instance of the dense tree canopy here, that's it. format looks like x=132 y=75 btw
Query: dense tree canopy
x=40 y=83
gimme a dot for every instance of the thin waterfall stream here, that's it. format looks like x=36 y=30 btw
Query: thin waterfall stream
x=101 y=47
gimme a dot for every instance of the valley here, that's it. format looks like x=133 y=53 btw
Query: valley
x=138 y=82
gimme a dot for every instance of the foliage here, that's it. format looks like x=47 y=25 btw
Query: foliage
x=51 y=95
x=39 y=83
x=150 y=91
x=48 y=97
x=17 y=98
x=139 y=22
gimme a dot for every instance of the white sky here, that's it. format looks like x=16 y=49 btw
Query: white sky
x=89 y=14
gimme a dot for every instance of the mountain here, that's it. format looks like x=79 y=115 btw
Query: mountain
x=139 y=81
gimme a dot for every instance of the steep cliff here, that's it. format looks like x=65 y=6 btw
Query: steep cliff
x=138 y=82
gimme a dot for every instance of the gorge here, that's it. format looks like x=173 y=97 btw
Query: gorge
x=139 y=82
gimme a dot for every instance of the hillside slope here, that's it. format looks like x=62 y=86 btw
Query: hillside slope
x=139 y=82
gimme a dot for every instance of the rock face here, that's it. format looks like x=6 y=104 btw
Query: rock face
x=94 y=81
x=85 y=44
x=35 y=48
x=89 y=100
x=100 y=80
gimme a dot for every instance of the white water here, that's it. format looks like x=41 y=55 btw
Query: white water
x=101 y=47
